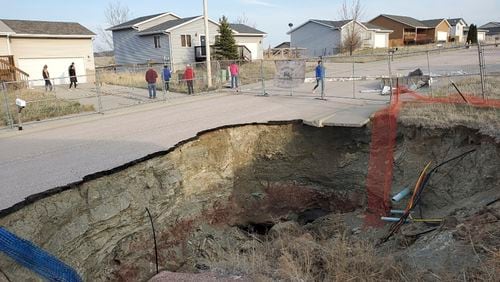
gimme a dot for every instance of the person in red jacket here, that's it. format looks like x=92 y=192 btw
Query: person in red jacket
x=189 y=77
x=151 y=76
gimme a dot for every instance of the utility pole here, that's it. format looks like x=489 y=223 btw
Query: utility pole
x=207 y=44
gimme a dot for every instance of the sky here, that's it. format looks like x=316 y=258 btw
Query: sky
x=270 y=16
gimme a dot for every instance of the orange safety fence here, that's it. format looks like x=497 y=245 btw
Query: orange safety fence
x=383 y=145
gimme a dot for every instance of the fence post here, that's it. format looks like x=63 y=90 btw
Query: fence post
x=98 y=92
x=429 y=71
x=262 y=78
x=390 y=74
x=480 y=51
x=353 y=80
x=323 y=76
x=218 y=75
x=7 y=110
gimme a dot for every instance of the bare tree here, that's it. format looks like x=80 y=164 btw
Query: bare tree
x=243 y=19
x=115 y=14
x=353 y=37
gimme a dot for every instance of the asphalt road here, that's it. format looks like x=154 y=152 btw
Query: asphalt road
x=51 y=154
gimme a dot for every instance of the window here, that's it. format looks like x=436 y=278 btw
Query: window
x=186 y=40
x=157 y=41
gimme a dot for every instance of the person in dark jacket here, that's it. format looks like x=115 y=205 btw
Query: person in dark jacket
x=46 y=77
x=166 y=77
x=151 y=77
x=72 y=75
x=189 y=77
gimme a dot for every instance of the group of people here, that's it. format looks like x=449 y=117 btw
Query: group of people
x=188 y=77
x=152 y=75
x=71 y=72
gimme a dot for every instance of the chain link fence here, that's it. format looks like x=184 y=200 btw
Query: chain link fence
x=441 y=71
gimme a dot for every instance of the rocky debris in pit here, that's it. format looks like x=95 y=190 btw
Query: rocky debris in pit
x=336 y=246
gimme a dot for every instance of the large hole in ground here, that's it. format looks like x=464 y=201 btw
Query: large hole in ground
x=228 y=189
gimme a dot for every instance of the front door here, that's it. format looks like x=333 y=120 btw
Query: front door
x=203 y=41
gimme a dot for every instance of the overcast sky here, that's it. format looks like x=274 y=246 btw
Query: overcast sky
x=270 y=16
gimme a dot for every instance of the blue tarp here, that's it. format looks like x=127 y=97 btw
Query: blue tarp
x=35 y=259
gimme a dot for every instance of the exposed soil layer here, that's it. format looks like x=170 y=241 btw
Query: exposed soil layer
x=231 y=185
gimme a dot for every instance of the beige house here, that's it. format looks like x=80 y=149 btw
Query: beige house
x=26 y=46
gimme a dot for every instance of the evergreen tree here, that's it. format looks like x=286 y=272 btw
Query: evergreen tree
x=225 y=45
x=472 y=35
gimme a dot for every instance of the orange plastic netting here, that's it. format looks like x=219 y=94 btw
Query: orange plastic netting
x=383 y=144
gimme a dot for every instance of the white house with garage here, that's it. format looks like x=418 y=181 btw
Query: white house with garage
x=325 y=38
x=26 y=46
x=457 y=27
x=168 y=38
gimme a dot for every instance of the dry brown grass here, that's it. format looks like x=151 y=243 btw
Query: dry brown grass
x=298 y=256
x=437 y=115
x=252 y=72
x=41 y=106
x=471 y=85
x=104 y=61
x=137 y=80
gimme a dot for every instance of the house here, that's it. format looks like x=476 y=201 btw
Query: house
x=408 y=30
x=493 y=30
x=481 y=33
x=324 y=37
x=26 y=46
x=282 y=45
x=438 y=29
x=457 y=26
x=168 y=38
x=459 y=30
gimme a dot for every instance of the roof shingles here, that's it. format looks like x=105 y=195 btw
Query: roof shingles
x=131 y=23
x=405 y=20
x=241 y=28
x=166 y=25
x=432 y=23
x=334 y=24
x=47 y=28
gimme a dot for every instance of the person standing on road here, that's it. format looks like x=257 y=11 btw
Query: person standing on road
x=72 y=75
x=235 y=71
x=46 y=77
x=189 y=77
x=166 y=77
x=320 y=75
x=151 y=77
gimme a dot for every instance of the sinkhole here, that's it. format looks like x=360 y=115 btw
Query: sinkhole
x=228 y=185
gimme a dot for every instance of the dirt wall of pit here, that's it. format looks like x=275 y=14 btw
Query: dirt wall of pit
x=231 y=176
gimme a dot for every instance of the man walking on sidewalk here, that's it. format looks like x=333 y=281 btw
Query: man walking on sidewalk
x=189 y=77
x=320 y=76
x=235 y=71
x=166 y=77
x=151 y=77
x=72 y=75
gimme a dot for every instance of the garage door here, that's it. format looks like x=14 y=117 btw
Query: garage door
x=380 y=41
x=58 y=69
x=442 y=36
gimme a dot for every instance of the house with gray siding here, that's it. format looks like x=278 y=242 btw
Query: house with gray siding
x=168 y=38
x=325 y=38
